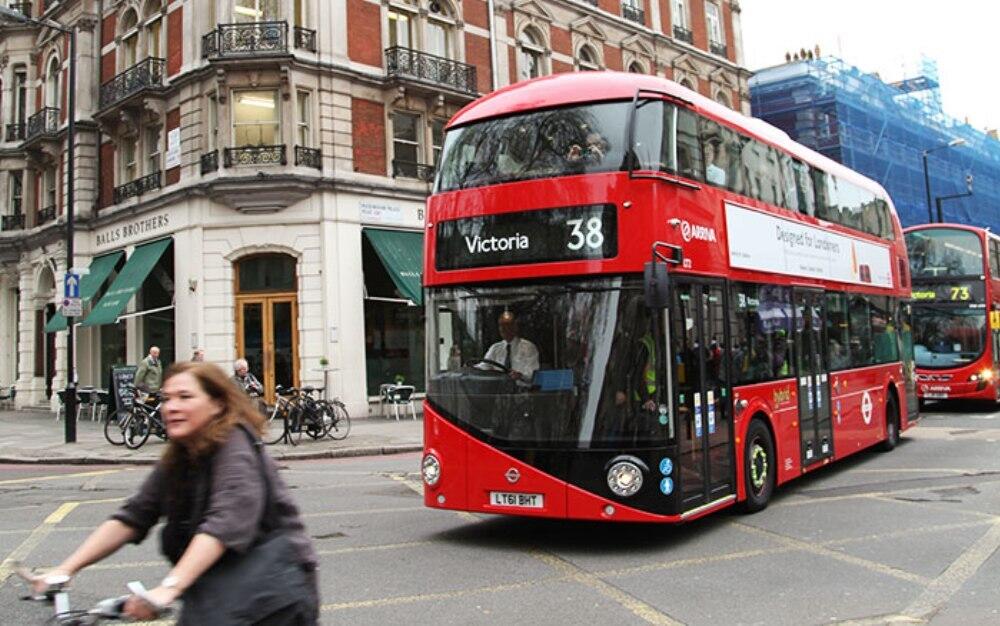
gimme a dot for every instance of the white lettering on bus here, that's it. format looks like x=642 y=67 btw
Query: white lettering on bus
x=479 y=245
x=696 y=231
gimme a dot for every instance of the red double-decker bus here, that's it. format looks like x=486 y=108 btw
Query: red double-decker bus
x=644 y=306
x=956 y=311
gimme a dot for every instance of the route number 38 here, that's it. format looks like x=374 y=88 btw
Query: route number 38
x=588 y=234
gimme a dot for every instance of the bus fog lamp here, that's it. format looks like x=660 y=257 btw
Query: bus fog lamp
x=440 y=498
x=431 y=469
x=609 y=510
x=624 y=478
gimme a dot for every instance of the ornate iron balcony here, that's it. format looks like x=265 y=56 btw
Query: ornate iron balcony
x=137 y=187
x=246 y=40
x=305 y=39
x=633 y=14
x=683 y=34
x=717 y=48
x=44 y=122
x=407 y=63
x=15 y=132
x=209 y=162
x=46 y=215
x=145 y=74
x=310 y=157
x=254 y=155
x=12 y=222
x=411 y=169
x=24 y=8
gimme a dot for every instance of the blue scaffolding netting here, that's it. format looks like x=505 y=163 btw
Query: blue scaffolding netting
x=882 y=130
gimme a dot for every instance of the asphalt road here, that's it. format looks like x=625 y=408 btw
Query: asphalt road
x=904 y=537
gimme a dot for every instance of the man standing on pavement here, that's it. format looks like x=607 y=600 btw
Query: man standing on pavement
x=149 y=375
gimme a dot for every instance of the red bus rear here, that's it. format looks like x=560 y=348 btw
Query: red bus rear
x=956 y=299
x=564 y=383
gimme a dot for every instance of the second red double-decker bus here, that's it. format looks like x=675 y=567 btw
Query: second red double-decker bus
x=956 y=311
x=572 y=375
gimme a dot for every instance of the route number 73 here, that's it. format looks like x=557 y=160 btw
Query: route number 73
x=593 y=237
x=960 y=293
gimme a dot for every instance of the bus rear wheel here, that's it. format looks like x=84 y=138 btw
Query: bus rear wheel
x=891 y=425
x=759 y=467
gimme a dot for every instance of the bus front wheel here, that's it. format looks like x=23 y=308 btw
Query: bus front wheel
x=891 y=425
x=759 y=467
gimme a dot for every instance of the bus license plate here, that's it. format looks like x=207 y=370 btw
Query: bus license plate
x=936 y=396
x=523 y=500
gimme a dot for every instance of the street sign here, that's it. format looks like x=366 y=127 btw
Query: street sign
x=71 y=286
x=72 y=307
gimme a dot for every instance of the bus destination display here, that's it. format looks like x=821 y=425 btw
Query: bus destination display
x=971 y=292
x=564 y=234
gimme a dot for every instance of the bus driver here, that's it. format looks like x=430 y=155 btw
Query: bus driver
x=518 y=355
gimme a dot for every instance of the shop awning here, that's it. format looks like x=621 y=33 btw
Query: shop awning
x=136 y=269
x=402 y=253
x=90 y=283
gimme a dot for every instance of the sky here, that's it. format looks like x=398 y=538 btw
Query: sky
x=889 y=37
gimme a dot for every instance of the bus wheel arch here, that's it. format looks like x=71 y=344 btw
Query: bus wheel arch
x=892 y=419
x=760 y=466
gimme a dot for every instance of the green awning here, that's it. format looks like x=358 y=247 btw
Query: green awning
x=136 y=269
x=90 y=283
x=402 y=254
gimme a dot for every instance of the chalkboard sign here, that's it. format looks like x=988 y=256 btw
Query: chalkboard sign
x=121 y=378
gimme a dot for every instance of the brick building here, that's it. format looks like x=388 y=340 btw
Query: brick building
x=251 y=174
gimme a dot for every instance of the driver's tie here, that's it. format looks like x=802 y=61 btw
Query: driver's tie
x=506 y=360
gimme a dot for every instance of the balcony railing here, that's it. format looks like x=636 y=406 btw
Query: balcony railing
x=254 y=155
x=137 y=187
x=210 y=162
x=411 y=169
x=12 y=222
x=305 y=39
x=24 y=8
x=404 y=62
x=633 y=14
x=44 y=122
x=46 y=215
x=683 y=34
x=145 y=74
x=310 y=157
x=243 y=40
x=15 y=132
x=717 y=48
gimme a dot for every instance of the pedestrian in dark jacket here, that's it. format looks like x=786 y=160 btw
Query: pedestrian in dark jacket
x=222 y=499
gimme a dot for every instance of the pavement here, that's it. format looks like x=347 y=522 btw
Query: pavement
x=29 y=436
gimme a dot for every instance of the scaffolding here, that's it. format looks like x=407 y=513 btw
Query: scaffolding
x=882 y=130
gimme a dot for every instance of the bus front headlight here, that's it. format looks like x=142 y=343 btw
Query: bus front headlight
x=624 y=478
x=430 y=468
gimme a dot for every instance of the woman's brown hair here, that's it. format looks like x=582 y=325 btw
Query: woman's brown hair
x=236 y=408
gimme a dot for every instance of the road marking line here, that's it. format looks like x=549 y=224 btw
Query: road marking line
x=730 y=556
x=131 y=565
x=400 y=509
x=638 y=608
x=804 y=498
x=908 y=532
x=951 y=508
x=17 y=481
x=37 y=535
x=418 y=488
x=819 y=550
x=941 y=589
x=427 y=597
x=376 y=548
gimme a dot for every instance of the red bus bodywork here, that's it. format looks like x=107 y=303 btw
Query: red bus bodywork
x=649 y=210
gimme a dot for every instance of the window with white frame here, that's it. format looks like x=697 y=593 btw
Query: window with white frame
x=400 y=28
x=15 y=188
x=532 y=55
x=636 y=68
x=154 y=140
x=129 y=40
x=437 y=140
x=440 y=30
x=303 y=130
x=52 y=83
x=713 y=20
x=20 y=95
x=587 y=59
x=212 y=123
x=153 y=38
x=129 y=165
x=405 y=143
x=678 y=13
x=256 y=119
x=249 y=11
x=49 y=188
x=299 y=13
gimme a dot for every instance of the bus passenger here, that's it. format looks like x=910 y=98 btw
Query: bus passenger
x=590 y=153
x=519 y=356
x=714 y=174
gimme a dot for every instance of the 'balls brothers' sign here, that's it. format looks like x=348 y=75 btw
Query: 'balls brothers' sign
x=122 y=233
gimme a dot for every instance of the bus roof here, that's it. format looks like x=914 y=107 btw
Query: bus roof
x=579 y=88
x=980 y=230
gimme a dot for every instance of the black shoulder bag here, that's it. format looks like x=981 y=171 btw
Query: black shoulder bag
x=241 y=589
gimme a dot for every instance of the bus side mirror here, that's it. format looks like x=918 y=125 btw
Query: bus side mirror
x=656 y=285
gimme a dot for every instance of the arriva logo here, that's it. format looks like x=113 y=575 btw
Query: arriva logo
x=694 y=231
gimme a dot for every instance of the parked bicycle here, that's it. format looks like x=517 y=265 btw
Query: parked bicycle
x=132 y=427
x=299 y=411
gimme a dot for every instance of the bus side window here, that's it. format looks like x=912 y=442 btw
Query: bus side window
x=786 y=182
x=819 y=183
x=995 y=258
x=689 y=154
x=861 y=332
x=838 y=338
x=804 y=192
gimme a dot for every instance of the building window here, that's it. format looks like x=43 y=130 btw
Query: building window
x=437 y=140
x=129 y=167
x=405 y=139
x=636 y=68
x=21 y=97
x=52 y=83
x=250 y=11
x=153 y=29
x=714 y=23
x=212 y=123
x=532 y=54
x=256 y=120
x=303 y=132
x=16 y=188
x=587 y=60
x=678 y=14
x=300 y=13
x=49 y=187
x=130 y=40
x=440 y=28
x=153 y=140
x=400 y=28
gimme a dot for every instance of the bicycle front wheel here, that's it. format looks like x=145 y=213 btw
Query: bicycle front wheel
x=136 y=430
x=275 y=426
x=341 y=426
x=294 y=425
x=113 y=430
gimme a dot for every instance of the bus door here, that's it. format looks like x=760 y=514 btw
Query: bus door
x=815 y=426
x=703 y=412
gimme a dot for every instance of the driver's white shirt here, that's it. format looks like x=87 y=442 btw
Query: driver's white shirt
x=523 y=356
